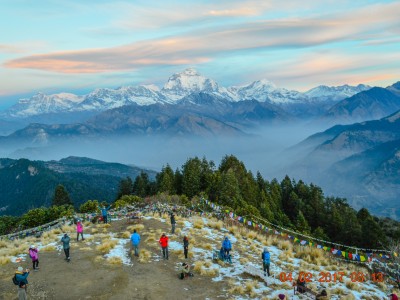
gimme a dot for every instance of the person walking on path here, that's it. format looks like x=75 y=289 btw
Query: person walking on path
x=266 y=259
x=79 y=230
x=173 y=222
x=65 y=240
x=135 y=239
x=164 y=245
x=21 y=278
x=33 y=253
x=185 y=246
x=227 y=246
x=104 y=212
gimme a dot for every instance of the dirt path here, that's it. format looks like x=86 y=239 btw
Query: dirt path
x=85 y=278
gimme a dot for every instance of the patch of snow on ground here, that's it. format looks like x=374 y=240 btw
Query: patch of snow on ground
x=120 y=251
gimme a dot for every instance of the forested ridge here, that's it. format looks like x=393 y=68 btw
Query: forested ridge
x=290 y=203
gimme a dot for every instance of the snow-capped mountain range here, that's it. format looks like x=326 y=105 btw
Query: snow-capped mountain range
x=177 y=87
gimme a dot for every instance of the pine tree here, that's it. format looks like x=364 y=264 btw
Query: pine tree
x=125 y=187
x=166 y=180
x=302 y=224
x=61 y=196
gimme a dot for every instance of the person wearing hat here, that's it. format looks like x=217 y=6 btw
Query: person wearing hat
x=164 y=245
x=33 y=253
x=266 y=259
x=281 y=297
x=65 y=240
x=22 y=278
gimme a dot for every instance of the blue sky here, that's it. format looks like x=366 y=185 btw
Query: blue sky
x=54 y=46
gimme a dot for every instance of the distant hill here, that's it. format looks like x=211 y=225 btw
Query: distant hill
x=371 y=104
x=28 y=184
x=358 y=161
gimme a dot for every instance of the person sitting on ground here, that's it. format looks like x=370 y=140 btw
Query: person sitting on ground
x=185 y=271
x=300 y=285
x=322 y=296
x=222 y=254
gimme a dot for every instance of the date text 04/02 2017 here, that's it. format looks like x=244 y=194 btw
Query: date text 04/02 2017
x=332 y=277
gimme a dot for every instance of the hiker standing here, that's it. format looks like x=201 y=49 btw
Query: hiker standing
x=185 y=246
x=79 y=230
x=266 y=259
x=164 y=245
x=33 y=253
x=104 y=211
x=65 y=240
x=135 y=239
x=21 y=279
x=173 y=222
x=227 y=246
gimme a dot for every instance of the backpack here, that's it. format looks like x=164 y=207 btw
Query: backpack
x=266 y=257
x=14 y=279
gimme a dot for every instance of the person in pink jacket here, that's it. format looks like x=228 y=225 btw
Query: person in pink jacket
x=33 y=253
x=79 y=230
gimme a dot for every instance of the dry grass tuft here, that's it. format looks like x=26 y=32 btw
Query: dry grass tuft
x=126 y=235
x=99 y=259
x=251 y=235
x=198 y=266
x=208 y=246
x=144 y=256
x=178 y=231
x=198 y=223
x=216 y=224
x=286 y=255
x=95 y=230
x=237 y=290
x=85 y=249
x=209 y=272
x=48 y=248
x=107 y=246
x=353 y=286
x=114 y=260
x=243 y=260
x=3 y=244
x=138 y=227
x=4 y=260
x=250 y=286
x=313 y=256
x=68 y=228
x=285 y=245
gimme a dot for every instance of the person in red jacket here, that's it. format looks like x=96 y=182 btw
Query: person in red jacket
x=393 y=297
x=164 y=245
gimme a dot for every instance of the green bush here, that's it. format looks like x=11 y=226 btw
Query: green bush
x=90 y=206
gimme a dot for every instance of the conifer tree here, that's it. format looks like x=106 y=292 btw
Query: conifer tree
x=61 y=196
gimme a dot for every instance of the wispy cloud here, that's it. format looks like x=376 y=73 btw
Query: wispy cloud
x=204 y=45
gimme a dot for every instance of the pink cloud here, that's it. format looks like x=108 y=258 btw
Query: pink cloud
x=204 y=45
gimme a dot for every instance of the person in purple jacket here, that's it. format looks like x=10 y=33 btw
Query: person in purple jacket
x=33 y=253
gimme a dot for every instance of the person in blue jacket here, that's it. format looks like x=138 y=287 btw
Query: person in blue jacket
x=104 y=211
x=21 y=277
x=226 y=245
x=266 y=259
x=135 y=239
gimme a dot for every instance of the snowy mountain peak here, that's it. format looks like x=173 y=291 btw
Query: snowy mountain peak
x=336 y=92
x=186 y=82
